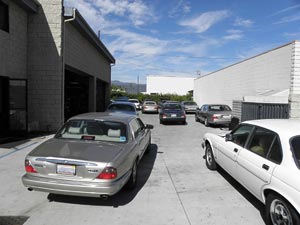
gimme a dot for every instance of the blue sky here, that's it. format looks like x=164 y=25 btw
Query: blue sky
x=187 y=37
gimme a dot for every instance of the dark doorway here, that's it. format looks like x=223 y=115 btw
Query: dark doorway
x=4 y=106
x=76 y=94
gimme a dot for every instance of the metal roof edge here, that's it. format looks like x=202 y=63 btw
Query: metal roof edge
x=263 y=53
x=28 y=5
x=80 y=23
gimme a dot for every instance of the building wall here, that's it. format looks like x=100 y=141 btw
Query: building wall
x=169 y=85
x=82 y=55
x=45 y=67
x=294 y=97
x=13 y=45
x=267 y=72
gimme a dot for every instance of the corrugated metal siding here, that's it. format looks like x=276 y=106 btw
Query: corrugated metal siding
x=237 y=109
x=251 y=111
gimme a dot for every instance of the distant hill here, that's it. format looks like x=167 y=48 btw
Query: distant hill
x=131 y=88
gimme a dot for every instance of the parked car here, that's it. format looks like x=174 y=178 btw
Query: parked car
x=264 y=157
x=123 y=107
x=172 y=112
x=136 y=102
x=93 y=155
x=189 y=106
x=214 y=114
x=150 y=107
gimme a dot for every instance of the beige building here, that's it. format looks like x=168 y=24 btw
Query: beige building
x=52 y=66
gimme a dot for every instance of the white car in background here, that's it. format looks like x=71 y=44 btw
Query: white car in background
x=264 y=157
x=136 y=102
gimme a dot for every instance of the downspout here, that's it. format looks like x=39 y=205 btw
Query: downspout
x=63 y=62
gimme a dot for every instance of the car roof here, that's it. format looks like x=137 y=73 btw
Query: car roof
x=112 y=116
x=281 y=126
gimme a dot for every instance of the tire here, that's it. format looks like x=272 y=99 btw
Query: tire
x=206 y=123
x=280 y=211
x=131 y=183
x=197 y=119
x=209 y=158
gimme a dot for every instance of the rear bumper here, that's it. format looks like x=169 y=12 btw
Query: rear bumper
x=220 y=122
x=173 y=119
x=76 y=188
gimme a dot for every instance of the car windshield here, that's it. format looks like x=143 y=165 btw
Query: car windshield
x=149 y=103
x=189 y=103
x=133 y=101
x=172 y=106
x=121 y=107
x=295 y=146
x=93 y=130
x=219 y=108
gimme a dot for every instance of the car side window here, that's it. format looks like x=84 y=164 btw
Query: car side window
x=241 y=134
x=295 y=146
x=136 y=127
x=275 y=153
x=261 y=141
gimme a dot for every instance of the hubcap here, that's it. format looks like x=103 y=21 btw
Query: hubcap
x=208 y=156
x=280 y=214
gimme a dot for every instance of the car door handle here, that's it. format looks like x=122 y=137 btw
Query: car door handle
x=235 y=150
x=266 y=167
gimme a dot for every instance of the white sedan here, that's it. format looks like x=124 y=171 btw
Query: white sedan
x=263 y=156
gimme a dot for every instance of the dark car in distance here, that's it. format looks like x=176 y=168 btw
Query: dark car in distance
x=172 y=112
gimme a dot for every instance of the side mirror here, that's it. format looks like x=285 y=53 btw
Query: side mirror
x=229 y=137
x=149 y=126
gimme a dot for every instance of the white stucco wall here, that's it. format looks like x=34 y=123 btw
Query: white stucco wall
x=169 y=84
x=268 y=72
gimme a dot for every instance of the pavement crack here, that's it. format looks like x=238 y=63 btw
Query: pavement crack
x=177 y=192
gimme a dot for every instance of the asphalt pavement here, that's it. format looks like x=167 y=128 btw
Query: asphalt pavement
x=174 y=188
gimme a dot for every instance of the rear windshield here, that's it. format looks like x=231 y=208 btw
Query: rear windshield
x=295 y=145
x=219 y=108
x=121 y=107
x=149 y=103
x=133 y=101
x=172 y=106
x=189 y=103
x=93 y=130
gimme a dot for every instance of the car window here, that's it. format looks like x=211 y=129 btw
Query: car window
x=172 y=106
x=189 y=103
x=275 y=152
x=295 y=146
x=219 y=108
x=93 y=130
x=261 y=141
x=136 y=127
x=241 y=134
x=121 y=107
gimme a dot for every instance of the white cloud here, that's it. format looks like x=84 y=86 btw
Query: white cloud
x=234 y=35
x=243 y=22
x=288 y=19
x=134 y=11
x=204 y=21
x=286 y=10
x=181 y=7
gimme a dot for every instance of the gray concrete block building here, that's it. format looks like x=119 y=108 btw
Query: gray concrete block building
x=272 y=77
x=52 y=66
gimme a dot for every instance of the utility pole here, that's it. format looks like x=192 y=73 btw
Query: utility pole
x=138 y=84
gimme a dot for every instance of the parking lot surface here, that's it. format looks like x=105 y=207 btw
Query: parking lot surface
x=174 y=187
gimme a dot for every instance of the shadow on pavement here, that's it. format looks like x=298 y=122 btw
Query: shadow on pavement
x=244 y=192
x=124 y=196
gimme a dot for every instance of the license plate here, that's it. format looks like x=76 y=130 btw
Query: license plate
x=66 y=169
x=173 y=115
x=226 y=117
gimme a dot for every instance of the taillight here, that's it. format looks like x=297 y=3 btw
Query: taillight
x=108 y=173
x=28 y=167
x=214 y=117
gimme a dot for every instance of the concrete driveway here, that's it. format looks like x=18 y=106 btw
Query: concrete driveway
x=174 y=187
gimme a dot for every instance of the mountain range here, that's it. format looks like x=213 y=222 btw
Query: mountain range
x=131 y=88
